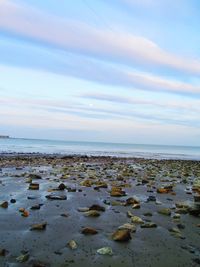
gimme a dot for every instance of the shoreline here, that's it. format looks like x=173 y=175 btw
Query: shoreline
x=155 y=202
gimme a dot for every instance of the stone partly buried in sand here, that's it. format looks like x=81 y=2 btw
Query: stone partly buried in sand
x=121 y=235
x=72 y=244
x=105 y=251
x=39 y=226
x=117 y=192
x=89 y=231
x=128 y=226
x=4 y=204
x=91 y=213
x=22 y=258
x=56 y=197
x=34 y=186
x=165 y=211
x=97 y=207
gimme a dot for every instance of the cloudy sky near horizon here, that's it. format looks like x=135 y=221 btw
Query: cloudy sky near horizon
x=101 y=70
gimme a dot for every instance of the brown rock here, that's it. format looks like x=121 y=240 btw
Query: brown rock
x=89 y=231
x=34 y=186
x=121 y=235
x=4 y=204
x=40 y=226
x=97 y=207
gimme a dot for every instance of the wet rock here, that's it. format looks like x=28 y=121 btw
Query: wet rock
x=39 y=226
x=25 y=213
x=148 y=214
x=151 y=198
x=61 y=187
x=55 y=197
x=163 y=190
x=136 y=206
x=128 y=226
x=13 y=201
x=36 y=207
x=83 y=209
x=176 y=216
x=22 y=258
x=130 y=214
x=2 y=252
x=165 y=211
x=117 y=192
x=64 y=215
x=34 y=176
x=136 y=219
x=86 y=183
x=121 y=235
x=97 y=207
x=72 y=244
x=89 y=231
x=132 y=201
x=105 y=251
x=34 y=186
x=149 y=225
x=4 y=204
x=92 y=213
x=194 y=210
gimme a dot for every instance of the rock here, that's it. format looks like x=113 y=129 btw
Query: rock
x=2 y=252
x=86 y=183
x=121 y=235
x=128 y=226
x=36 y=207
x=148 y=214
x=130 y=214
x=117 y=192
x=55 y=197
x=196 y=198
x=131 y=201
x=136 y=219
x=4 y=204
x=149 y=225
x=194 y=210
x=22 y=258
x=40 y=226
x=136 y=206
x=64 y=215
x=162 y=190
x=91 y=213
x=25 y=213
x=72 y=244
x=105 y=251
x=84 y=209
x=13 y=201
x=151 y=198
x=61 y=187
x=176 y=216
x=34 y=176
x=165 y=211
x=97 y=207
x=181 y=226
x=34 y=186
x=89 y=231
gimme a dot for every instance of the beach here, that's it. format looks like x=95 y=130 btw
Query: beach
x=61 y=211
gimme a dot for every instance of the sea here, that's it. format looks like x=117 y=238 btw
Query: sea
x=22 y=145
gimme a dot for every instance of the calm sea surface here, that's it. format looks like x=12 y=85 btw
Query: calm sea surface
x=95 y=148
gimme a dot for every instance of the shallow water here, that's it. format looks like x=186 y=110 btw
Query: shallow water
x=18 y=145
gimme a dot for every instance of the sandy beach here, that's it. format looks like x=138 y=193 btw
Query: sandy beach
x=72 y=211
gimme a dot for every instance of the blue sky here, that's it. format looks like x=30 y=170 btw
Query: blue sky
x=98 y=70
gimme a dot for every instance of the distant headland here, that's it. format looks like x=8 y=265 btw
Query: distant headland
x=4 y=136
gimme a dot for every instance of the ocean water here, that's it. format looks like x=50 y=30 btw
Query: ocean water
x=17 y=145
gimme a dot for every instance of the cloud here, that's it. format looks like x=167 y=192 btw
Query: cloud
x=81 y=38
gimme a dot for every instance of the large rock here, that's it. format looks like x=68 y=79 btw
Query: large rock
x=121 y=235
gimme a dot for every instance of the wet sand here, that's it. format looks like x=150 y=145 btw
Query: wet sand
x=144 y=188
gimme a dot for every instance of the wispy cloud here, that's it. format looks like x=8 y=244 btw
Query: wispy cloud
x=81 y=38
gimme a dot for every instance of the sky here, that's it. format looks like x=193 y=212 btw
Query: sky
x=124 y=71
